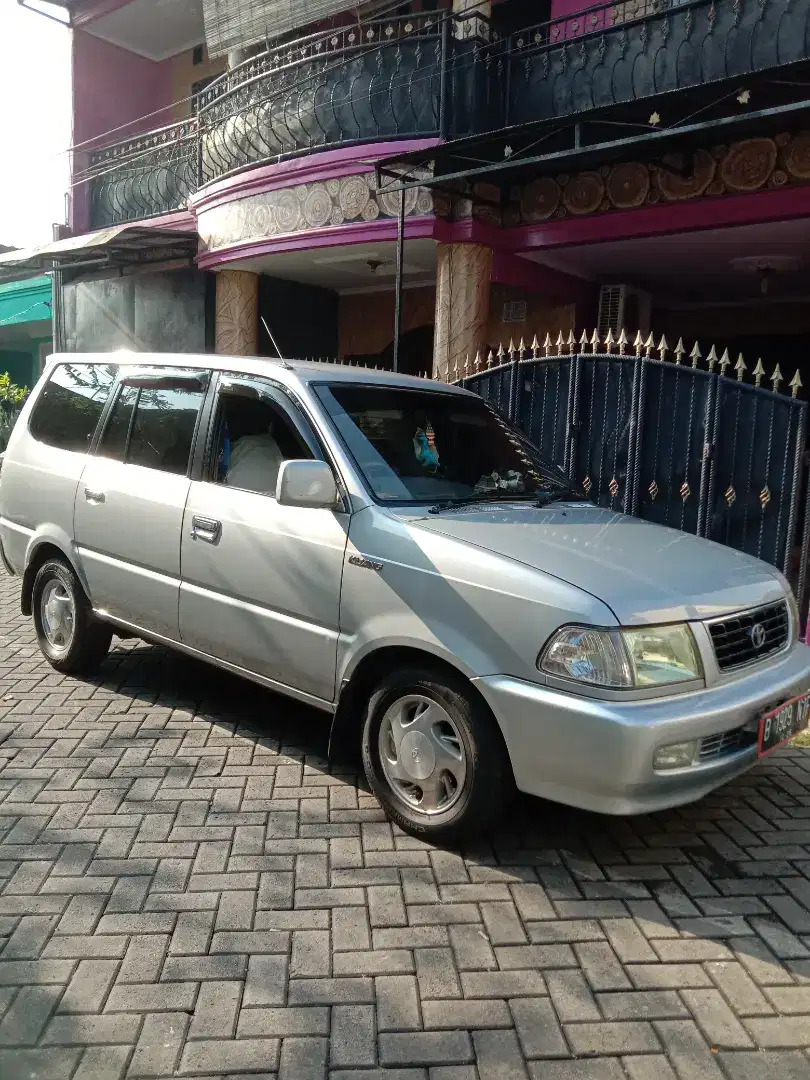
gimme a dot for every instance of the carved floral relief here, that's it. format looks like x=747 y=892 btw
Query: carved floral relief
x=303 y=208
x=749 y=165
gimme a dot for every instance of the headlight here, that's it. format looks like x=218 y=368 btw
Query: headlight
x=597 y=657
x=623 y=659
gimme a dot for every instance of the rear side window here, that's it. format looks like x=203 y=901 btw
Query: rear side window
x=68 y=410
x=163 y=430
x=153 y=420
x=113 y=442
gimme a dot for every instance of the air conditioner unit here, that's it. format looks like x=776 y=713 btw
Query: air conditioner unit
x=624 y=307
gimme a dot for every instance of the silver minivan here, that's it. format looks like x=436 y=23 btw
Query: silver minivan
x=392 y=552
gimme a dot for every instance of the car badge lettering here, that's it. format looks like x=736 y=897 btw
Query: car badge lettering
x=758 y=635
x=366 y=564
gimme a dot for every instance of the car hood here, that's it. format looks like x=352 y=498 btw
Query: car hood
x=644 y=572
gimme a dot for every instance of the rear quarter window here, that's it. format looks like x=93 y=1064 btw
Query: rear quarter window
x=67 y=412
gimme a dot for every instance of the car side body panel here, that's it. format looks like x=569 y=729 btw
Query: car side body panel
x=479 y=612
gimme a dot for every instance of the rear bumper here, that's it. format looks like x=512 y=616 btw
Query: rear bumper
x=598 y=754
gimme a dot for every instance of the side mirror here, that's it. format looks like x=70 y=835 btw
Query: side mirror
x=306 y=483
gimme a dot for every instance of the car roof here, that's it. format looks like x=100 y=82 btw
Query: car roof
x=285 y=371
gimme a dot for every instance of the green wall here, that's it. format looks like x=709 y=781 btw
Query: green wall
x=21 y=303
x=21 y=366
x=24 y=301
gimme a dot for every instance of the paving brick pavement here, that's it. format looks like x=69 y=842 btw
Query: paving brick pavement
x=186 y=889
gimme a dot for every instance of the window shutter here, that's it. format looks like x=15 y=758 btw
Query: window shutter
x=238 y=24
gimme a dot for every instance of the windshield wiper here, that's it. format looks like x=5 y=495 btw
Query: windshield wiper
x=563 y=493
x=482 y=497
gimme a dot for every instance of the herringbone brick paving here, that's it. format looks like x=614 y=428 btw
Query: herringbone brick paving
x=186 y=889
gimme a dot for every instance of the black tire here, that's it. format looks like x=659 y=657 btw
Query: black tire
x=89 y=641
x=481 y=799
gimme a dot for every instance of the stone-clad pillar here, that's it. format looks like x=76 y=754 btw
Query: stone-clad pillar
x=478 y=7
x=472 y=19
x=237 y=313
x=463 y=274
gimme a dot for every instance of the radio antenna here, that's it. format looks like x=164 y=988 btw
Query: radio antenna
x=272 y=339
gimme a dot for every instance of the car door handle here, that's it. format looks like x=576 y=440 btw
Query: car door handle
x=94 y=496
x=206 y=529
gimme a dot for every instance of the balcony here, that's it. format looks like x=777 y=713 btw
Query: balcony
x=638 y=49
x=144 y=177
x=360 y=84
x=380 y=80
x=446 y=77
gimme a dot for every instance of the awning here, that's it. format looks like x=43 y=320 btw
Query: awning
x=118 y=246
x=45 y=7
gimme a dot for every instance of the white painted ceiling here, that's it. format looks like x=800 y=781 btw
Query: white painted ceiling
x=155 y=29
x=692 y=265
x=347 y=268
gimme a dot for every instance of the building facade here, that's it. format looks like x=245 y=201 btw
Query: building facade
x=460 y=187
x=650 y=146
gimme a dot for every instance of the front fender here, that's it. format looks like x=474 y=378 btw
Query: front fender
x=445 y=643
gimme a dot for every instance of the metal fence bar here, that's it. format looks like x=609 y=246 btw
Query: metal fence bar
x=665 y=455
x=703 y=494
x=802 y=575
x=570 y=432
x=794 y=487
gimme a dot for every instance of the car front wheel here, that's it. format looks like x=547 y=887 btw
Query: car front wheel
x=70 y=637
x=433 y=755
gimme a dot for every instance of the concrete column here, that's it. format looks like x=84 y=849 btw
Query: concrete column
x=463 y=273
x=237 y=313
x=476 y=23
x=480 y=7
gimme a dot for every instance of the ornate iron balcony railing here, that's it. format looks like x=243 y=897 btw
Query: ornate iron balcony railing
x=635 y=49
x=374 y=81
x=443 y=76
x=152 y=174
x=371 y=81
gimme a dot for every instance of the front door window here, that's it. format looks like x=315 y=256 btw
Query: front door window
x=253 y=436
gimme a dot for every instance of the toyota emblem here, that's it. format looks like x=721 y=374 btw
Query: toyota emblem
x=758 y=635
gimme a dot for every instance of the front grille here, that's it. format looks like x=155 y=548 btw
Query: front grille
x=744 y=639
x=724 y=743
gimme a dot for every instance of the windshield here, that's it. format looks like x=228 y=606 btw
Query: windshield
x=420 y=445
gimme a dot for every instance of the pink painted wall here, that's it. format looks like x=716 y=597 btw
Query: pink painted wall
x=111 y=87
x=596 y=19
x=559 y=8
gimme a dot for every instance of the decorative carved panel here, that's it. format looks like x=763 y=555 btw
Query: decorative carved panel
x=463 y=274
x=301 y=209
x=745 y=166
x=237 y=313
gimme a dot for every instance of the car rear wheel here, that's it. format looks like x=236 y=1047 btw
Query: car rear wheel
x=433 y=755
x=70 y=637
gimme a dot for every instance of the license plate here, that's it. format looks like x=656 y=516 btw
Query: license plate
x=781 y=725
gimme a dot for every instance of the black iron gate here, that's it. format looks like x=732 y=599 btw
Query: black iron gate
x=685 y=442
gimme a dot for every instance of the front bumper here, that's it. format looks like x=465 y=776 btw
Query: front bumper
x=6 y=564
x=598 y=754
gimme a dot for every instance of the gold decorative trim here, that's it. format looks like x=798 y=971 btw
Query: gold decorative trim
x=748 y=165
